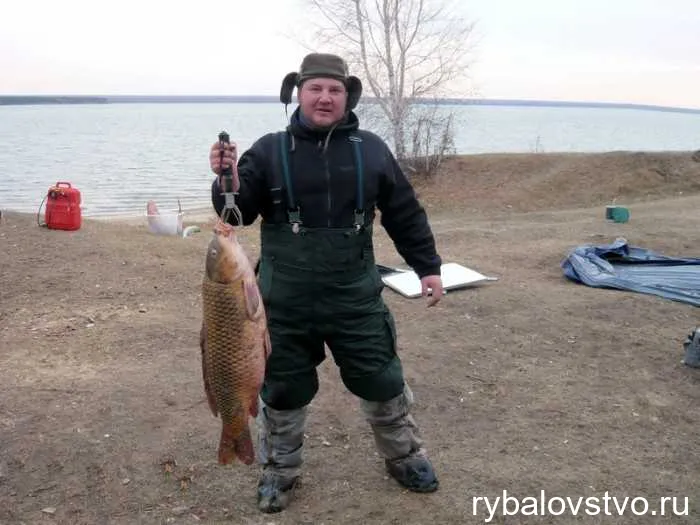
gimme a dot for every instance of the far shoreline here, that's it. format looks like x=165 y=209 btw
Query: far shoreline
x=15 y=100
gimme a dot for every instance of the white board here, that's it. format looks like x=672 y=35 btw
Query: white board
x=454 y=276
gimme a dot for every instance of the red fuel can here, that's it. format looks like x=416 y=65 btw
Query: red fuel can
x=63 y=207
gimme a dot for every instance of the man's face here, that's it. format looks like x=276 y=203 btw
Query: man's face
x=322 y=101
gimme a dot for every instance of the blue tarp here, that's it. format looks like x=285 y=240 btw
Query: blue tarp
x=621 y=266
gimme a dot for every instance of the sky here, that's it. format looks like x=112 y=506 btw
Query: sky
x=623 y=51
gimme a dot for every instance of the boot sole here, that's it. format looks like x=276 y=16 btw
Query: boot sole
x=424 y=490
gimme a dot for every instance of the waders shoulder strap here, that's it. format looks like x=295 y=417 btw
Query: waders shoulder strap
x=293 y=211
x=281 y=176
x=360 y=205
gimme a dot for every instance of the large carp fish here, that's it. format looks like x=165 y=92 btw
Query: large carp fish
x=234 y=341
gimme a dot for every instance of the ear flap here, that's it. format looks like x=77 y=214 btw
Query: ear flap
x=288 y=84
x=354 y=87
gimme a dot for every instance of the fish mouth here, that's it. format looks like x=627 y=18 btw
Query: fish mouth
x=224 y=229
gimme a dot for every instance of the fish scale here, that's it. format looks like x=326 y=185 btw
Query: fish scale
x=224 y=316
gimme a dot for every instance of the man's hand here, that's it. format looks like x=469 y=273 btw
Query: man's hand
x=432 y=289
x=230 y=159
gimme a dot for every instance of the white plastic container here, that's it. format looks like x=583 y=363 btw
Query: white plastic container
x=165 y=223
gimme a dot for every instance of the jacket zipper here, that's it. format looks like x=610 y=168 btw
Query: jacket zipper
x=328 y=181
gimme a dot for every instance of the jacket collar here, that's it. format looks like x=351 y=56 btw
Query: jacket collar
x=300 y=129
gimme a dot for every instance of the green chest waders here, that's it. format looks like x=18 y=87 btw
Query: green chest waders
x=321 y=285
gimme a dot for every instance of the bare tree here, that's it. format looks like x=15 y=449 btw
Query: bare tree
x=407 y=53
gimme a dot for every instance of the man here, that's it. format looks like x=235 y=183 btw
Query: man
x=316 y=186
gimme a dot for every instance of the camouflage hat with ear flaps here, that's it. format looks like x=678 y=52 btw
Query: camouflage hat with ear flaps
x=316 y=65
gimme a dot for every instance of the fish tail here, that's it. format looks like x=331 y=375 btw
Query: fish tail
x=240 y=446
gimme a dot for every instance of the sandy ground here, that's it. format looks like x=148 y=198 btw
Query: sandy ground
x=527 y=384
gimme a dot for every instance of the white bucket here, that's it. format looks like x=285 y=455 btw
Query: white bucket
x=165 y=223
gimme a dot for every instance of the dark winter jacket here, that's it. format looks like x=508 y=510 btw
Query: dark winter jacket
x=324 y=183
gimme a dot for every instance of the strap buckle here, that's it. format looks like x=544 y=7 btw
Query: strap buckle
x=359 y=220
x=295 y=219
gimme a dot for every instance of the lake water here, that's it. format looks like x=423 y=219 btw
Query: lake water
x=121 y=155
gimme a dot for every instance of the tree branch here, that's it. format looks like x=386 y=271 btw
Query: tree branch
x=407 y=51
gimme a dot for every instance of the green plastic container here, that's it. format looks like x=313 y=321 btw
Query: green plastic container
x=617 y=214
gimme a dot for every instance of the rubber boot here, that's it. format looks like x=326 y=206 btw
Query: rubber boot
x=280 y=447
x=398 y=441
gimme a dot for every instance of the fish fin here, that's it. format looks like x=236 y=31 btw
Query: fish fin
x=267 y=349
x=231 y=447
x=244 y=447
x=227 y=445
x=252 y=298
x=267 y=343
x=253 y=410
x=205 y=372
